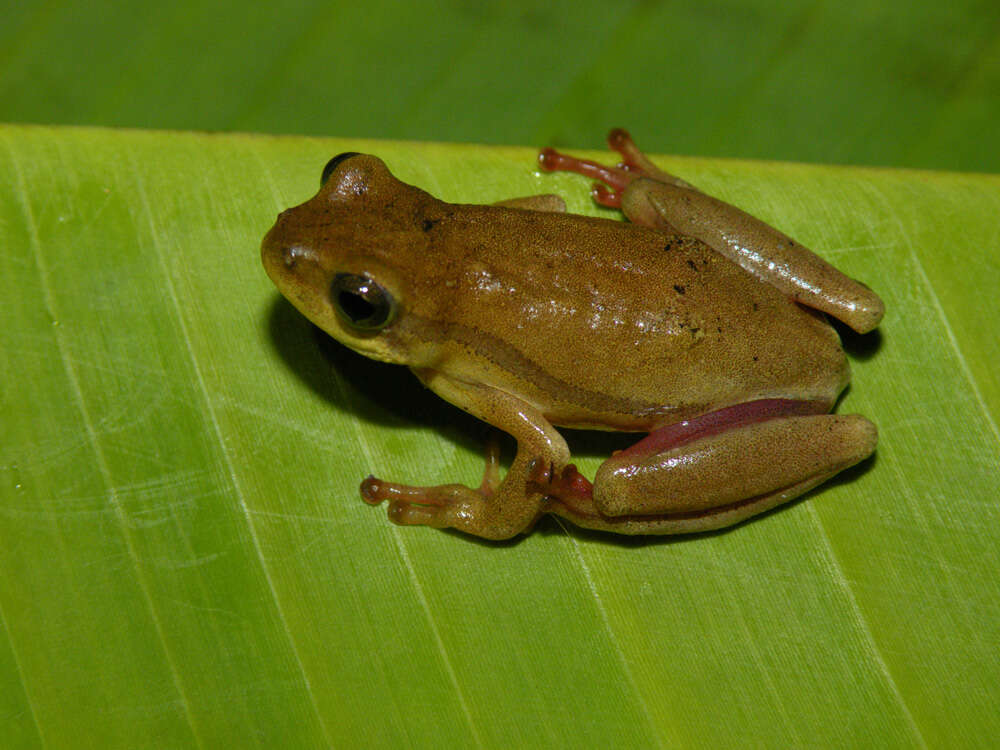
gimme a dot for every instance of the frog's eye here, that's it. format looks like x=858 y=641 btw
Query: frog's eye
x=333 y=164
x=362 y=303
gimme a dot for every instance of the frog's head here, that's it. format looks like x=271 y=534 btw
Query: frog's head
x=345 y=258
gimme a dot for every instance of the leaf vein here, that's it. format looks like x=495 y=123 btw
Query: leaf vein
x=419 y=590
x=99 y=457
x=838 y=577
x=20 y=674
x=217 y=430
x=602 y=611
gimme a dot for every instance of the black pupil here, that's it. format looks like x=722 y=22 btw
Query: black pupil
x=355 y=307
x=361 y=301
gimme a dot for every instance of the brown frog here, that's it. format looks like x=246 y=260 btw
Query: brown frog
x=695 y=323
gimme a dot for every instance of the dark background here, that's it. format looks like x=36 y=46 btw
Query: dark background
x=898 y=83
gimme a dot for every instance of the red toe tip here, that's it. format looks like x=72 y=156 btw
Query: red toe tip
x=547 y=159
x=370 y=490
x=618 y=137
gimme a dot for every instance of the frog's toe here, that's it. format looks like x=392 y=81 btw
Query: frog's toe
x=372 y=491
x=417 y=506
x=611 y=181
x=375 y=490
x=472 y=515
x=415 y=514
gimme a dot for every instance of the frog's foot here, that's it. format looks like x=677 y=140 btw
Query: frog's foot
x=452 y=506
x=612 y=181
x=492 y=510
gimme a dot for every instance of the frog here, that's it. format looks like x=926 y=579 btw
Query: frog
x=694 y=324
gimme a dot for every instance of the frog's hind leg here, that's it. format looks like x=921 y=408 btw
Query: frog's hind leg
x=651 y=197
x=611 y=181
x=718 y=474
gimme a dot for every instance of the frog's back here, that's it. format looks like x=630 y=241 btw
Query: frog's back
x=601 y=323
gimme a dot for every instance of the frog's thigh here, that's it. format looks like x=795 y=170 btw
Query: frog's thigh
x=722 y=479
x=547 y=202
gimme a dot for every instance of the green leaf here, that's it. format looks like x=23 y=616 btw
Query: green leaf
x=185 y=561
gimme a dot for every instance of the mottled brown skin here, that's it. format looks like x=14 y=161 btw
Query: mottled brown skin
x=528 y=317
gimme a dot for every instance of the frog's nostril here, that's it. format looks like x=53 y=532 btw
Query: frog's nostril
x=294 y=254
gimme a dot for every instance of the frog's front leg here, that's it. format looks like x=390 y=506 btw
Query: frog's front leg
x=649 y=196
x=496 y=510
x=719 y=469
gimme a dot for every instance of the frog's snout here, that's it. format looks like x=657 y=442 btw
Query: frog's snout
x=293 y=255
x=283 y=260
x=283 y=256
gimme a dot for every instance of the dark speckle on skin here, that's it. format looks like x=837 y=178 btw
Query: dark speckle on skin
x=668 y=247
x=693 y=265
x=679 y=289
x=429 y=224
x=756 y=307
